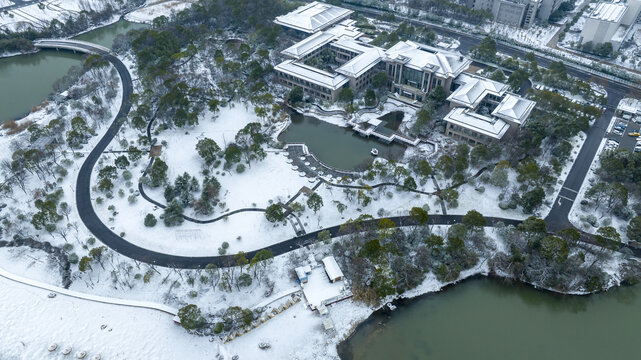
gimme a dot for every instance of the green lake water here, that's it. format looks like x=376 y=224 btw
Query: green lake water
x=339 y=147
x=490 y=319
x=26 y=80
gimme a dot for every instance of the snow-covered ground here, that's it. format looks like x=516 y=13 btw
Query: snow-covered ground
x=39 y=15
x=34 y=322
x=156 y=8
x=630 y=51
x=5 y=3
x=538 y=36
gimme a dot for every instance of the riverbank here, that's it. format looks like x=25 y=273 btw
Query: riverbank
x=616 y=270
x=489 y=318
x=33 y=76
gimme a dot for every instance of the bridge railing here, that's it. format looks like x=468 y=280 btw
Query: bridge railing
x=86 y=47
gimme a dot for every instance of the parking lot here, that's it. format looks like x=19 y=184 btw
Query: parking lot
x=619 y=135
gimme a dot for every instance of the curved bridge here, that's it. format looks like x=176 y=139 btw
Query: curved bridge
x=124 y=247
x=73 y=45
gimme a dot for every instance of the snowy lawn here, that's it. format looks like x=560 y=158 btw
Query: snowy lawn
x=156 y=8
x=111 y=331
x=39 y=15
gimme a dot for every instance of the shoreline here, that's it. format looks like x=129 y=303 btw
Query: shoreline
x=406 y=301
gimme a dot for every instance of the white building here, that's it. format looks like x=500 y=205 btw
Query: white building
x=413 y=69
x=484 y=111
x=332 y=269
x=610 y=22
x=313 y=17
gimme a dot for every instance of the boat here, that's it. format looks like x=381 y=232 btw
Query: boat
x=374 y=151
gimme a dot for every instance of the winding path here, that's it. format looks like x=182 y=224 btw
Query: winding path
x=89 y=297
x=122 y=246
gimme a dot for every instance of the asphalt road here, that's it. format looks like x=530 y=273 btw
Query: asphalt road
x=556 y=220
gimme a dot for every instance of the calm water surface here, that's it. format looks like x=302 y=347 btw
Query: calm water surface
x=336 y=146
x=489 y=319
x=26 y=80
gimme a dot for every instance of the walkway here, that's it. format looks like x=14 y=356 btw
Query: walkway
x=80 y=295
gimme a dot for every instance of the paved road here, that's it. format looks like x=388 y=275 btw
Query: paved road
x=122 y=246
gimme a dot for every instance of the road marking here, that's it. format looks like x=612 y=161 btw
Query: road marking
x=574 y=191
x=566 y=198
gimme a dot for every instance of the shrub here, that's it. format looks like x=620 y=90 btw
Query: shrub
x=150 y=220
x=73 y=258
x=218 y=328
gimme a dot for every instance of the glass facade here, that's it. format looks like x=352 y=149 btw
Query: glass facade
x=412 y=77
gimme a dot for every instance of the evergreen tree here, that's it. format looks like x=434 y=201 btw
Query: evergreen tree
x=173 y=214
x=191 y=317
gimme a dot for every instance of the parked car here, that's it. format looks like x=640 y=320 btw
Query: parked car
x=634 y=133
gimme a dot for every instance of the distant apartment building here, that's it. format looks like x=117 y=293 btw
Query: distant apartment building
x=547 y=7
x=519 y=13
x=610 y=22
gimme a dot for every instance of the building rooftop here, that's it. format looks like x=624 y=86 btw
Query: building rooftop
x=474 y=89
x=313 y=17
x=345 y=28
x=491 y=127
x=630 y=105
x=308 y=45
x=332 y=268
x=442 y=62
x=312 y=74
x=352 y=45
x=514 y=108
x=606 y=11
x=345 y=31
x=358 y=65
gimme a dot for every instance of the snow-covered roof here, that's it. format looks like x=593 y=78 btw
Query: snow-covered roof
x=308 y=45
x=492 y=127
x=313 y=17
x=442 y=62
x=629 y=105
x=514 y=108
x=303 y=271
x=607 y=11
x=474 y=89
x=346 y=29
x=331 y=267
x=375 y=122
x=312 y=74
x=352 y=45
x=358 y=65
